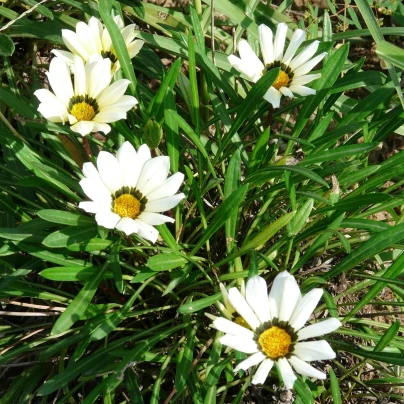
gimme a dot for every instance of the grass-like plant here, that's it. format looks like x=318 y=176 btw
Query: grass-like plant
x=103 y=298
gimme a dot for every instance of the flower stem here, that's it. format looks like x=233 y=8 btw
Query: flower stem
x=269 y=116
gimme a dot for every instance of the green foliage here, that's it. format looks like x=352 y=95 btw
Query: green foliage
x=314 y=188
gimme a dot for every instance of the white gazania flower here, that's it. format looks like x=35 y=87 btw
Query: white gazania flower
x=93 y=39
x=275 y=330
x=128 y=191
x=90 y=102
x=226 y=307
x=294 y=69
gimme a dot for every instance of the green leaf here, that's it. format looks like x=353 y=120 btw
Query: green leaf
x=335 y=390
x=6 y=45
x=165 y=262
x=73 y=273
x=66 y=218
x=69 y=236
x=79 y=304
x=193 y=307
x=185 y=363
x=391 y=53
x=387 y=336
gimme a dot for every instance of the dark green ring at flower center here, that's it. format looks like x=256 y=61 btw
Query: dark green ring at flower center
x=285 y=71
x=109 y=55
x=128 y=202
x=83 y=107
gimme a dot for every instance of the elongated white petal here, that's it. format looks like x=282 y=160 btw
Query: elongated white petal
x=276 y=292
x=318 y=329
x=244 y=67
x=89 y=170
x=164 y=204
x=98 y=78
x=290 y=298
x=121 y=106
x=84 y=37
x=243 y=308
x=314 y=351
x=153 y=174
x=302 y=90
x=297 y=39
x=95 y=189
x=248 y=55
x=305 y=308
x=252 y=360
x=127 y=225
x=107 y=219
x=155 y=219
x=51 y=107
x=89 y=207
x=111 y=116
x=146 y=231
x=286 y=92
x=83 y=127
x=302 y=80
x=80 y=81
x=60 y=80
x=242 y=344
x=95 y=31
x=266 y=42
x=226 y=299
x=73 y=43
x=308 y=66
x=280 y=39
x=305 y=369
x=273 y=96
x=134 y=48
x=304 y=56
x=112 y=93
x=286 y=370
x=257 y=298
x=126 y=157
x=131 y=177
x=168 y=188
x=110 y=171
x=67 y=57
x=101 y=127
x=128 y=33
x=228 y=327
x=262 y=372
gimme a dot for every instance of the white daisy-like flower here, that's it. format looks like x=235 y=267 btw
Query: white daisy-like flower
x=93 y=39
x=294 y=68
x=275 y=330
x=128 y=191
x=88 y=103
x=226 y=307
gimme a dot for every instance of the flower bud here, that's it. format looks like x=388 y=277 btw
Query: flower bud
x=152 y=133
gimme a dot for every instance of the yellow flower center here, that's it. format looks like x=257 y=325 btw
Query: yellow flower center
x=240 y=321
x=275 y=342
x=281 y=81
x=83 y=111
x=127 y=205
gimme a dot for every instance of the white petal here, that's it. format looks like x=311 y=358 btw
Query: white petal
x=101 y=127
x=155 y=219
x=50 y=104
x=273 y=96
x=95 y=189
x=128 y=226
x=110 y=171
x=95 y=34
x=153 y=174
x=134 y=48
x=251 y=361
x=318 y=329
x=262 y=372
x=228 y=327
x=286 y=92
x=59 y=77
x=118 y=21
x=257 y=298
x=164 y=204
x=287 y=373
x=84 y=36
x=314 y=351
x=146 y=231
x=280 y=38
x=128 y=33
x=53 y=113
x=80 y=83
x=120 y=106
x=110 y=116
x=305 y=369
x=89 y=170
x=134 y=163
x=242 y=344
x=73 y=43
x=242 y=308
x=248 y=55
x=98 y=78
x=168 y=188
x=305 y=55
x=113 y=93
x=302 y=90
x=244 y=67
x=305 y=308
x=83 y=127
x=90 y=207
x=297 y=39
x=67 y=57
x=290 y=298
x=277 y=290
x=308 y=66
x=106 y=41
x=126 y=157
x=266 y=42
x=107 y=219
x=226 y=299
x=308 y=78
